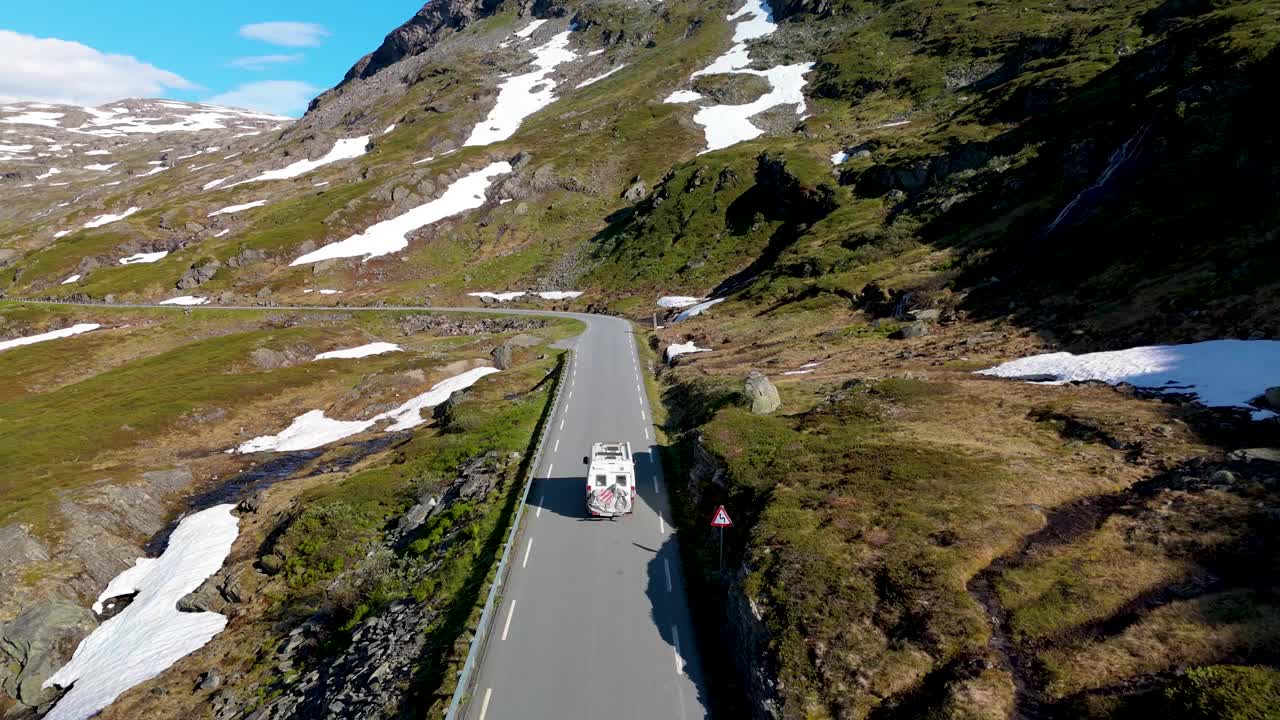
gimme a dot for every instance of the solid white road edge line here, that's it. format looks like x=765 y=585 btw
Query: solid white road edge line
x=527 y=548
x=484 y=706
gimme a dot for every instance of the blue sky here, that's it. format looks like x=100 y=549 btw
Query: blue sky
x=70 y=50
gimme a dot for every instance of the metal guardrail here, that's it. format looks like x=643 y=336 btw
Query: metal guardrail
x=481 y=635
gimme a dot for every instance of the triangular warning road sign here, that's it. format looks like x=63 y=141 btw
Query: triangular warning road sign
x=721 y=518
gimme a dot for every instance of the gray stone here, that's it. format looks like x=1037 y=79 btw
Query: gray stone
x=36 y=643
x=1224 y=477
x=198 y=275
x=271 y=564
x=502 y=356
x=269 y=359
x=264 y=292
x=636 y=192
x=1271 y=455
x=251 y=502
x=763 y=395
x=210 y=681
x=916 y=329
x=931 y=314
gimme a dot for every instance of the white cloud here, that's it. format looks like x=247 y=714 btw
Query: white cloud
x=279 y=97
x=289 y=34
x=63 y=71
x=262 y=62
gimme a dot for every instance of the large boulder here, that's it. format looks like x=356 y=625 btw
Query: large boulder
x=502 y=356
x=763 y=395
x=38 y=642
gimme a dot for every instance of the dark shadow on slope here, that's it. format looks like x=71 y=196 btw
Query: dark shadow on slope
x=1145 y=212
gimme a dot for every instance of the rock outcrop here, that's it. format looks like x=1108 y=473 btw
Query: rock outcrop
x=38 y=642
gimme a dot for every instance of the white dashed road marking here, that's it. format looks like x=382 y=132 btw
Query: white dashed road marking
x=512 y=611
x=484 y=707
x=527 y=549
x=662 y=526
x=541 y=500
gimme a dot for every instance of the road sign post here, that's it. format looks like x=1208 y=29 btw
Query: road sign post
x=721 y=520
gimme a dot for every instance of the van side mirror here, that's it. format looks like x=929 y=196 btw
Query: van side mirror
x=586 y=460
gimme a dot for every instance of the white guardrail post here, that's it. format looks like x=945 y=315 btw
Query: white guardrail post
x=481 y=635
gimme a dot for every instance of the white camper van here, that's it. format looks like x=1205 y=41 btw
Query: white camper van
x=611 y=479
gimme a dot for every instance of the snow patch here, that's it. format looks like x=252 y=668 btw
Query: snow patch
x=238 y=208
x=101 y=167
x=141 y=258
x=313 y=429
x=523 y=95
x=389 y=129
x=527 y=30
x=70 y=280
x=150 y=634
x=388 y=236
x=697 y=310
x=838 y=158
x=345 y=149
x=1220 y=373
x=597 y=78
x=726 y=125
x=559 y=294
x=377 y=348
x=107 y=219
x=52 y=335
x=61 y=233
x=500 y=297
x=677 y=349
x=185 y=300
x=47 y=119
x=677 y=301
x=215 y=183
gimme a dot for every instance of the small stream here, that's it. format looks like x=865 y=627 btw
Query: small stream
x=276 y=468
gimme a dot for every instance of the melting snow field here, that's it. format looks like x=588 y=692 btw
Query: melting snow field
x=523 y=95
x=185 y=300
x=727 y=125
x=71 y=279
x=677 y=301
x=677 y=349
x=107 y=219
x=559 y=294
x=388 y=236
x=150 y=634
x=313 y=429
x=345 y=149
x=358 y=352
x=52 y=335
x=309 y=430
x=144 y=258
x=1219 y=372
x=697 y=310
x=500 y=297
x=238 y=208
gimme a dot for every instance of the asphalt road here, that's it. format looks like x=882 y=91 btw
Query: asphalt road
x=594 y=620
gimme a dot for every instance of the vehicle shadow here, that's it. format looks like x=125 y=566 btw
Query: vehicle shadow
x=669 y=611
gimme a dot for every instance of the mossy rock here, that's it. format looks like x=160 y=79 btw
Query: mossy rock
x=732 y=89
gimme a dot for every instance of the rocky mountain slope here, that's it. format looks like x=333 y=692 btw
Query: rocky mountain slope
x=861 y=201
